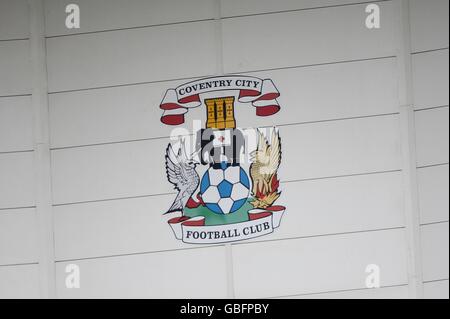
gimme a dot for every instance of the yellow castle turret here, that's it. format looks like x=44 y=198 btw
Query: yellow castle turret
x=220 y=113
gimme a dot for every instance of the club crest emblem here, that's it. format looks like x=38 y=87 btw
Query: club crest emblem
x=226 y=178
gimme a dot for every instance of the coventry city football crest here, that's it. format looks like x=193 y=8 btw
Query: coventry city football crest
x=226 y=178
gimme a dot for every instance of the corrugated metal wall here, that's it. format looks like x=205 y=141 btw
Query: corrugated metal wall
x=343 y=166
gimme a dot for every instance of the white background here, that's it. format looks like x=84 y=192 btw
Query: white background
x=352 y=198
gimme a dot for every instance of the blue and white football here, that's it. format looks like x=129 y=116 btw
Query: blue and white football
x=224 y=190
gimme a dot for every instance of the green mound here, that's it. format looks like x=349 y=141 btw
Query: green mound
x=211 y=218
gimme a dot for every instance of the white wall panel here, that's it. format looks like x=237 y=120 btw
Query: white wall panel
x=344 y=204
x=435 y=247
x=13 y=19
x=400 y=292
x=19 y=282
x=130 y=56
x=314 y=207
x=340 y=147
x=16 y=124
x=436 y=290
x=113 y=227
x=328 y=92
x=433 y=186
x=246 y=7
x=99 y=15
x=285 y=39
x=17 y=180
x=429 y=24
x=15 y=76
x=317 y=264
x=132 y=112
x=430 y=79
x=194 y=273
x=109 y=171
x=109 y=115
x=432 y=136
x=18 y=236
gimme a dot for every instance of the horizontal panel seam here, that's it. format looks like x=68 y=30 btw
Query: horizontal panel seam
x=129 y=84
x=19 y=264
x=16 y=208
x=336 y=119
x=174 y=193
x=303 y=9
x=244 y=128
x=114 y=199
x=431 y=108
x=430 y=50
x=15 y=95
x=341 y=176
x=338 y=291
x=320 y=64
x=14 y=39
x=435 y=280
x=433 y=165
x=138 y=253
x=128 y=28
x=231 y=73
x=234 y=244
x=320 y=235
x=15 y=152
x=435 y=223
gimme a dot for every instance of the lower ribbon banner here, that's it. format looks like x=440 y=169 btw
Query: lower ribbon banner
x=193 y=230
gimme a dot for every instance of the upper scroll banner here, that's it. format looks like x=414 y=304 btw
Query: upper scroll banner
x=262 y=94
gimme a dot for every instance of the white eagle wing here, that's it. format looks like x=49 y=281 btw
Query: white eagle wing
x=178 y=171
x=181 y=173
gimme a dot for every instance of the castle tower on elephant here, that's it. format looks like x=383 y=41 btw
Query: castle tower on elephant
x=220 y=113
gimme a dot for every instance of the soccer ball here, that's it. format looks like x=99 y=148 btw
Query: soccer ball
x=224 y=190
